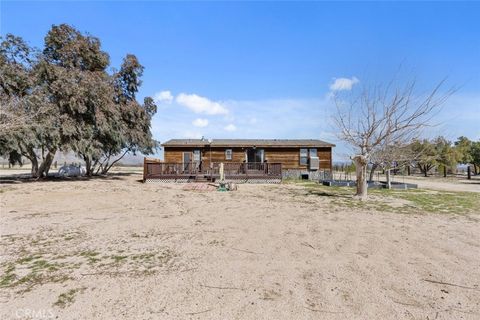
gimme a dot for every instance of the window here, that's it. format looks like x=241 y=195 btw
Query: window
x=228 y=154
x=304 y=157
x=196 y=155
x=305 y=154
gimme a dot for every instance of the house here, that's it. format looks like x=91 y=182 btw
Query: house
x=244 y=160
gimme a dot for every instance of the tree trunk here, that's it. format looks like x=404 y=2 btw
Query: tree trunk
x=361 y=162
x=475 y=168
x=389 y=180
x=32 y=156
x=88 y=165
x=34 y=170
x=372 y=171
x=45 y=165
x=422 y=169
x=108 y=166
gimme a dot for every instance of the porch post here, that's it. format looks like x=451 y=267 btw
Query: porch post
x=144 y=169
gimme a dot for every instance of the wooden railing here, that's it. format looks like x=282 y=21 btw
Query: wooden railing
x=232 y=170
x=248 y=169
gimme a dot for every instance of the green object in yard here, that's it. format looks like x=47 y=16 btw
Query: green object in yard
x=222 y=187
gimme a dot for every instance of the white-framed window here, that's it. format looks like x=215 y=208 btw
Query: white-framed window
x=196 y=155
x=313 y=152
x=303 y=157
x=228 y=154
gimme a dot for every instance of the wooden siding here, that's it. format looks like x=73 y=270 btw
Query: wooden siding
x=288 y=157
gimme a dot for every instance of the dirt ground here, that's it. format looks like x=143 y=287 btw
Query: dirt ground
x=115 y=248
x=445 y=184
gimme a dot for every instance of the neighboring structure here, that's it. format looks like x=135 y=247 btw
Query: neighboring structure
x=249 y=160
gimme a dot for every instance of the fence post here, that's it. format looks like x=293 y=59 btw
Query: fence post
x=444 y=171
x=469 y=173
x=144 y=169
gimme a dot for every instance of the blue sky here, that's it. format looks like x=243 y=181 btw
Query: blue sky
x=266 y=69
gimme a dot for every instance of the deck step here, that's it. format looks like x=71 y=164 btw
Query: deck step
x=202 y=179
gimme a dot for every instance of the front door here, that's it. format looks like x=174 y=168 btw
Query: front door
x=197 y=159
x=187 y=159
x=255 y=155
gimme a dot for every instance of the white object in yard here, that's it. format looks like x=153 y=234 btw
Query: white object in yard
x=71 y=170
x=222 y=175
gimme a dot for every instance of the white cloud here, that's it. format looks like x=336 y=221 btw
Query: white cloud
x=200 y=122
x=200 y=104
x=231 y=127
x=340 y=84
x=192 y=135
x=163 y=97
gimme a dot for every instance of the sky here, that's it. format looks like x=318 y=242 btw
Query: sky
x=269 y=69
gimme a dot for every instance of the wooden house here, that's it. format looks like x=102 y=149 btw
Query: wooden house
x=249 y=160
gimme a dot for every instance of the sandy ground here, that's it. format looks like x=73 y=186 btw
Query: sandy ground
x=444 y=184
x=119 y=249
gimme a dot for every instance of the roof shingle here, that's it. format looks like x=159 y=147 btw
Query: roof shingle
x=248 y=143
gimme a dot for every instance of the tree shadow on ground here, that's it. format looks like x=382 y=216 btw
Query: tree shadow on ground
x=25 y=178
x=469 y=182
x=321 y=193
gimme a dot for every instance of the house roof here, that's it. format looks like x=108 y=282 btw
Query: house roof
x=274 y=143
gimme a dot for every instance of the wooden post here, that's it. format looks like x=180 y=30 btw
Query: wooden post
x=469 y=173
x=444 y=171
x=144 y=169
x=222 y=176
x=389 y=182
x=408 y=170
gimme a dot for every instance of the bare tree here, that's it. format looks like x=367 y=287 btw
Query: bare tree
x=380 y=118
x=389 y=157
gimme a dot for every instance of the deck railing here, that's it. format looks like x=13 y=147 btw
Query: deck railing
x=247 y=169
x=154 y=169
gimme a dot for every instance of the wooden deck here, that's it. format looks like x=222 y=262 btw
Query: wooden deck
x=198 y=171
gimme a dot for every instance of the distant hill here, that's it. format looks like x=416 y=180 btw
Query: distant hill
x=69 y=157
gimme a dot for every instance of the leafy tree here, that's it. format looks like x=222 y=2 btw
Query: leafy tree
x=463 y=145
x=26 y=110
x=83 y=108
x=427 y=155
x=131 y=132
x=446 y=155
x=475 y=153
x=73 y=68
x=469 y=152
